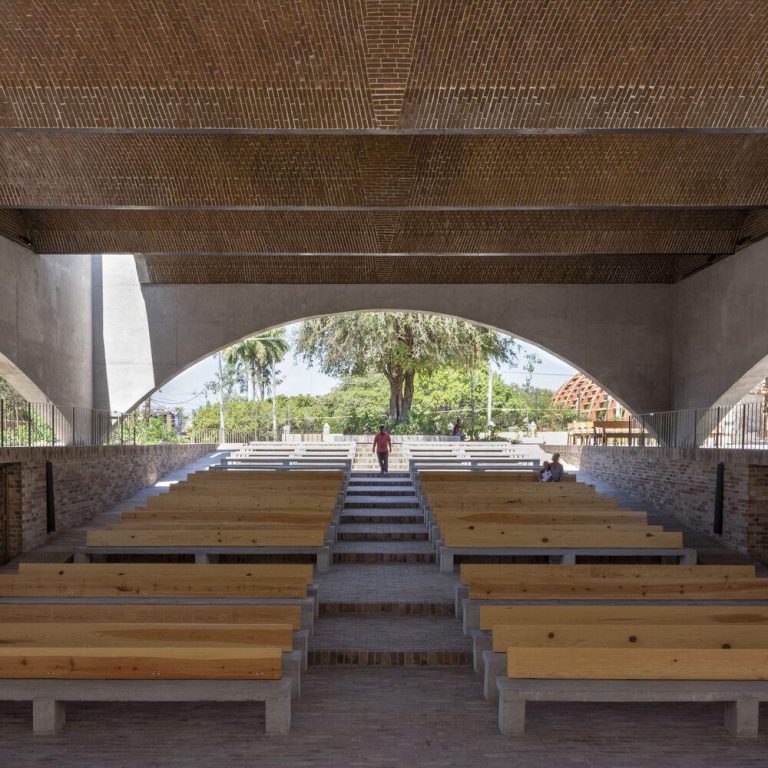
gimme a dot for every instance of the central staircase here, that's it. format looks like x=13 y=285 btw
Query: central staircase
x=384 y=602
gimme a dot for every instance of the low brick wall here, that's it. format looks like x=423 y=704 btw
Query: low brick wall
x=86 y=480
x=681 y=481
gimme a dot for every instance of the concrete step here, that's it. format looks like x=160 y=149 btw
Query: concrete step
x=369 y=501
x=372 y=640
x=383 y=552
x=381 y=532
x=402 y=489
x=393 y=516
x=378 y=478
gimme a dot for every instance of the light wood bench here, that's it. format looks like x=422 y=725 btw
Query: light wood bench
x=488 y=576
x=607 y=615
x=736 y=677
x=205 y=544
x=165 y=635
x=506 y=638
x=563 y=544
x=50 y=677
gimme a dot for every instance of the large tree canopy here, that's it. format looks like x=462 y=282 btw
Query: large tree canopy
x=399 y=345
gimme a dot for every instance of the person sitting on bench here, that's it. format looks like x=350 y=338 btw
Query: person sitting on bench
x=545 y=474
x=556 y=469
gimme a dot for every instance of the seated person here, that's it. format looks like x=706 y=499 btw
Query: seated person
x=545 y=474
x=556 y=469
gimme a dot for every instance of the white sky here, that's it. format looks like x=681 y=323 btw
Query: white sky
x=185 y=390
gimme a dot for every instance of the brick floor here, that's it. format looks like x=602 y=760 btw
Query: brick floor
x=382 y=718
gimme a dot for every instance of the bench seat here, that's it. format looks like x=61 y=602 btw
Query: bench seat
x=740 y=697
x=49 y=697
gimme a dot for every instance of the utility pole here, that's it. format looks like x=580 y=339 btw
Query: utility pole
x=221 y=399
x=274 y=403
x=489 y=405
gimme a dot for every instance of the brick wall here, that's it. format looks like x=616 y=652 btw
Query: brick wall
x=681 y=481
x=86 y=480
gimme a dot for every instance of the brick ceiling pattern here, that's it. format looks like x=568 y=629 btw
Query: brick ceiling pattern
x=568 y=141
x=489 y=170
x=451 y=269
x=632 y=231
x=383 y=64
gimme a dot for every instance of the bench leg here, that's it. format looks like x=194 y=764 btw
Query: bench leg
x=81 y=557
x=48 y=716
x=742 y=717
x=324 y=560
x=201 y=558
x=292 y=671
x=689 y=557
x=494 y=666
x=462 y=592
x=301 y=644
x=569 y=558
x=511 y=715
x=278 y=715
x=481 y=641
x=446 y=561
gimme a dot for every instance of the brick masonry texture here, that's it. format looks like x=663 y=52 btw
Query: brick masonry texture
x=494 y=170
x=384 y=64
x=681 y=481
x=87 y=479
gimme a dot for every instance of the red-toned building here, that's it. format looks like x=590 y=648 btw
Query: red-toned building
x=588 y=400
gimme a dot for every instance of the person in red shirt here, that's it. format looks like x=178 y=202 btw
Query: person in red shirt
x=382 y=445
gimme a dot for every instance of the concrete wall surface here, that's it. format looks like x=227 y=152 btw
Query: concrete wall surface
x=45 y=325
x=681 y=482
x=86 y=480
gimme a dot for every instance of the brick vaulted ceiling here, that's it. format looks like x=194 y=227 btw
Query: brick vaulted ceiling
x=387 y=140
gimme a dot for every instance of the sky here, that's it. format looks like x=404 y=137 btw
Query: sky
x=186 y=390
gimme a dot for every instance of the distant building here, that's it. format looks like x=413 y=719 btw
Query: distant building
x=590 y=402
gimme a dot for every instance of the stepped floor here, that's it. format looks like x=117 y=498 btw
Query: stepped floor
x=383 y=717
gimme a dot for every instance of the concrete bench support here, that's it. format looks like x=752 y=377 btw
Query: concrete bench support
x=683 y=555
x=49 y=697
x=206 y=555
x=740 y=697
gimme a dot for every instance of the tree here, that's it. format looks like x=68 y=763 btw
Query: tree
x=258 y=357
x=399 y=345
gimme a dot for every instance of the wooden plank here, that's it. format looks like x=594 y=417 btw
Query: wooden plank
x=596 y=517
x=178 y=635
x=638 y=663
x=491 y=615
x=205 y=515
x=224 y=573
x=599 y=589
x=245 y=503
x=192 y=614
x=207 y=538
x=642 y=635
x=212 y=524
x=511 y=572
x=584 y=536
x=202 y=663
x=157 y=580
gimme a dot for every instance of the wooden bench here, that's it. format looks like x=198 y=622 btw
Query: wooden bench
x=606 y=615
x=506 y=638
x=736 y=677
x=563 y=544
x=206 y=544
x=50 y=677
x=484 y=576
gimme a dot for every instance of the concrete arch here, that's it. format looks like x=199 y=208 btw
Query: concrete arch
x=19 y=380
x=186 y=323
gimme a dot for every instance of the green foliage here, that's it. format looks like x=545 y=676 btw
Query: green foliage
x=399 y=346
x=358 y=404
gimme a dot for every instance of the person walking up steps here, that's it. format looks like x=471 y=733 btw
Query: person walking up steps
x=382 y=445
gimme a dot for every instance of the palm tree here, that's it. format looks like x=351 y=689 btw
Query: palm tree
x=260 y=356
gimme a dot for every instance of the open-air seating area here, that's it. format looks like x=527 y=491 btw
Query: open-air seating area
x=154 y=632
x=620 y=633
x=255 y=515
x=466 y=457
x=493 y=517
x=293 y=456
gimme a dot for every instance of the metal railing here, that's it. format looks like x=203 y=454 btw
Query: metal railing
x=743 y=426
